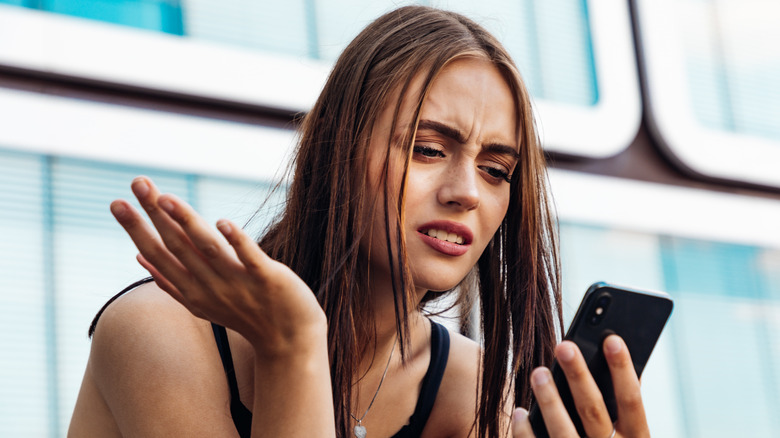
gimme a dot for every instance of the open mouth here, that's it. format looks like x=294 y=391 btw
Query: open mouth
x=445 y=236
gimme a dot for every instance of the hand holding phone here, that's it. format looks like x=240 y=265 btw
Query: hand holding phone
x=636 y=316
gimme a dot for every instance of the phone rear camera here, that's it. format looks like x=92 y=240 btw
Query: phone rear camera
x=599 y=309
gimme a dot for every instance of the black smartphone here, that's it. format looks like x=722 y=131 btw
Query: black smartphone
x=636 y=316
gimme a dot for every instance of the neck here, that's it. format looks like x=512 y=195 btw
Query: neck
x=378 y=348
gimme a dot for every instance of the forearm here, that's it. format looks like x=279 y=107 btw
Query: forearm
x=293 y=395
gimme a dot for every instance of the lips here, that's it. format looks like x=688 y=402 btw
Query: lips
x=450 y=238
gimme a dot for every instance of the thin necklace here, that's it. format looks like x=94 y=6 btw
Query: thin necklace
x=360 y=430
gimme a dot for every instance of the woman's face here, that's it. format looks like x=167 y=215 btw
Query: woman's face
x=457 y=190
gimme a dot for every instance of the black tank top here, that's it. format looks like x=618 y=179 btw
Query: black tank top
x=440 y=349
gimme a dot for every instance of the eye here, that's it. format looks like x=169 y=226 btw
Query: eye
x=428 y=152
x=497 y=173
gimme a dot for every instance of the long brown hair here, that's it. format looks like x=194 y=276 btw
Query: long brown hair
x=319 y=232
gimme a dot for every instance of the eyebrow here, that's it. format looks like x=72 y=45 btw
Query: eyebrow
x=458 y=136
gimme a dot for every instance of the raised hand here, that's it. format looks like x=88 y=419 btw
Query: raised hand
x=229 y=280
x=632 y=421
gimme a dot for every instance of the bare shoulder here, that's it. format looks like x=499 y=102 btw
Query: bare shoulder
x=146 y=307
x=145 y=322
x=455 y=408
x=154 y=368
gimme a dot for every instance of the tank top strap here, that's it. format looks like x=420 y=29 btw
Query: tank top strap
x=440 y=350
x=242 y=417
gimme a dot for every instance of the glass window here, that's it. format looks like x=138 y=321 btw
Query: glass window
x=711 y=79
x=732 y=76
x=596 y=253
x=63 y=259
x=25 y=289
x=576 y=56
x=279 y=27
x=577 y=59
x=721 y=343
x=339 y=21
x=718 y=256
x=724 y=336
x=159 y=15
x=92 y=259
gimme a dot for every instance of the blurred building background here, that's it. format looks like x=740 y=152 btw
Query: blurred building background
x=661 y=118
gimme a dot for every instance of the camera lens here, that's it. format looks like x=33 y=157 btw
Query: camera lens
x=599 y=309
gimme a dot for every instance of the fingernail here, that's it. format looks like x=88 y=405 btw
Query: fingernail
x=565 y=352
x=540 y=377
x=224 y=227
x=118 y=209
x=166 y=205
x=140 y=187
x=519 y=416
x=613 y=345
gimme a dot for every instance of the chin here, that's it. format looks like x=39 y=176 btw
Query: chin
x=439 y=283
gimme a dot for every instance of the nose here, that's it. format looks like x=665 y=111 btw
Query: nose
x=459 y=186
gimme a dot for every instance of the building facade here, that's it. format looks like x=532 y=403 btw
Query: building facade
x=661 y=119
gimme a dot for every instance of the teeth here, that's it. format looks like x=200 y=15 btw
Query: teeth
x=448 y=237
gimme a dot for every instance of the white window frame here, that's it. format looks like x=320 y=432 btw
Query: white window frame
x=610 y=125
x=701 y=150
x=97 y=131
x=660 y=209
x=105 y=52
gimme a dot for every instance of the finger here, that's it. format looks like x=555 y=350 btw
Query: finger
x=167 y=286
x=631 y=413
x=556 y=419
x=173 y=236
x=587 y=396
x=149 y=244
x=209 y=244
x=160 y=279
x=521 y=427
x=248 y=251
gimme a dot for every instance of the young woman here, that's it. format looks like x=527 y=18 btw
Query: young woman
x=418 y=174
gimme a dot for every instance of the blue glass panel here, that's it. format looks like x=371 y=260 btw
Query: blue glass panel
x=161 y=15
x=595 y=253
x=550 y=40
x=62 y=256
x=713 y=268
x=732 y=68
x=565 y=52
x=93 y=257
x=279 y=27
x=25 y=360
x=247 y=204
x=725 y=345
x=337 y=22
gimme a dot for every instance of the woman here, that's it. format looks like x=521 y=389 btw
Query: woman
x=418 y=166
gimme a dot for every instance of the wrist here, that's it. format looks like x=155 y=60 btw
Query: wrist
x=307 y=339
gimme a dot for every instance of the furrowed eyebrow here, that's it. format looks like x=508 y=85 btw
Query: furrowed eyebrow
x=501 y=149
x=455 y=134
x=441 y=128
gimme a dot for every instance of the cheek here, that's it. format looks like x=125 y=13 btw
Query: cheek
x=496 y=207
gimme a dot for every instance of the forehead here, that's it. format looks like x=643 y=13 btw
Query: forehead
x=464 y=91
x=472 y=95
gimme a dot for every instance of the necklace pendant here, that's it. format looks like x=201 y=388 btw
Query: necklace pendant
x=360 y=431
